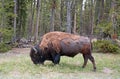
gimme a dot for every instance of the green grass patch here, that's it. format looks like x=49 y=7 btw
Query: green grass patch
x=20 y=66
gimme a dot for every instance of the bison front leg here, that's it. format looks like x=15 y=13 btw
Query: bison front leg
x=56 y=58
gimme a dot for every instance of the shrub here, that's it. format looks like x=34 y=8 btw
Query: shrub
x=106 y=46
x=4 y=47
x=6 y=34
x=104 y=26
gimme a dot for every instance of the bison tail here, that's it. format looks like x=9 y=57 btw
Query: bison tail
x=91 y=45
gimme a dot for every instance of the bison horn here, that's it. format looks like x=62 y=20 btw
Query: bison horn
x=35 y=50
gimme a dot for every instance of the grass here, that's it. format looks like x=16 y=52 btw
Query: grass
x=19 y=66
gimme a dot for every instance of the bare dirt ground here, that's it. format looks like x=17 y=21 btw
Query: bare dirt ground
x=20 y=50
x=17 y=51
x=13 y=53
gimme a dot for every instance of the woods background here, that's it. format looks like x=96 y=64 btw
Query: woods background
x=33 y=18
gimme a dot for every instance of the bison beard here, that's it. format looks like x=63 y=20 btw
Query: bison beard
x=56 y=44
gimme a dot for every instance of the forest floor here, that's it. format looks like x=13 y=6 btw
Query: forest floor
x=16 y=64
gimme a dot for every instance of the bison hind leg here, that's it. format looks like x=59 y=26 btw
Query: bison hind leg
x=85 y=60
x=91 y=58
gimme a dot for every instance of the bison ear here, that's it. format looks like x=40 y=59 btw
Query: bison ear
x=35 y=50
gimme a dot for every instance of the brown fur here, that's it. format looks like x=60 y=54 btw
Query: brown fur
x=55 y=38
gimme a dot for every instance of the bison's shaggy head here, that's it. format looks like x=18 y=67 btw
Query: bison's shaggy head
x=36 y=55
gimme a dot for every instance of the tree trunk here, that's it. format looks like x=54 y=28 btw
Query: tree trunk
x=31 y=19
x=97 y=12
x=52 y=17
x=91 y=18
x=44 y=20
x=19 y=20
x=74 y=27
x=74 y=16
x=15 y=13
x=69 y=26
x=37 y=22
x=61 y=14
x=114 y=17
x=81 y=20
x=102 y=10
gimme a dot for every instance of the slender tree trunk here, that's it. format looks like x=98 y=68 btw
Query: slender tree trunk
x=91 y=18
x=74 y=4
x=18 y=20
x=74 y=27
x=31 y=19
x=37 y=18
x=61 y=14
x=69 y=26
x=44 y=20
x=107 y=9
x=52 y=17
x=15 y=12
x=81 y=20
x=33 y=15
x=97 y=12
x=102 y=9
x=113 y=17
x=41 y=18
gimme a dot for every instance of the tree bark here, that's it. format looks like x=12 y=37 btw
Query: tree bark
x=61 y=14
x=31 y=19
x=69 y=26
x=37 y=18
x=15 y=13
x=114 y=17
x=74 y=4
x=97 y=12
x=81 y=18
x=52 y=17
x=91 y=18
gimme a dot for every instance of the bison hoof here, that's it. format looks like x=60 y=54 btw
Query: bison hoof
x=56 y=63
x=83 y=66
x=94 y=69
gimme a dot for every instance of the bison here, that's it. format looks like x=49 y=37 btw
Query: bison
x=56 y=44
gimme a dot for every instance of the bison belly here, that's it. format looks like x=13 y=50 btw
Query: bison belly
x=70 y=47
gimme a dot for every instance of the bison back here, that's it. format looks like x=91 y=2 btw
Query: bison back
x=55 y=37
x=70 y=47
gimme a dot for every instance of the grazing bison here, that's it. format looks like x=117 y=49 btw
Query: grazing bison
x=56 y=44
